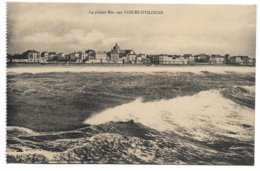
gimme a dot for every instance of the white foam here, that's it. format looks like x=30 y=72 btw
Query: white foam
x=21 y=130
x=251 y=89
x=145 y=69
x=200 y=115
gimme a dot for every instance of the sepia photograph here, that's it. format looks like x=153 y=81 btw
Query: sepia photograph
x=164 y=84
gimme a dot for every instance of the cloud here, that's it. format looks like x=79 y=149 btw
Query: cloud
x=43 y=37
x=181 y=29
x=107 y=42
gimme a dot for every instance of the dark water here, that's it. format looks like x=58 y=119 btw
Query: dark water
x=62 y=101
x=54 y=105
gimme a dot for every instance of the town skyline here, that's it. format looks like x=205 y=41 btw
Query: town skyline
x=181 y=29
x=118 y=55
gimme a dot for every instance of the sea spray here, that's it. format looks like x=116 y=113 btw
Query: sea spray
x=203 y=116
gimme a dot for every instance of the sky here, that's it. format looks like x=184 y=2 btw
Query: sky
x=67 y=27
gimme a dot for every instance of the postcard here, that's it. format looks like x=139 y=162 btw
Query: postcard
x=164 y=84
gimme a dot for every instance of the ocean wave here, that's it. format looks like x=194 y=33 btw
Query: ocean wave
x=243 y=95
x=16 y=131
x=206 y=128
x=205 y=116
x=124 y=143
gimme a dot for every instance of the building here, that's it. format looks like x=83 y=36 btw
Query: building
x=101 y=56
x=114 y=57
x=114 y=53
x=227 y=58
x=174 y=56
x=14 y=58
x=73 y=57
x=91 y=54
x=18 y=58
x=33 y=56
x=128 y=55
x=187 y=56
x=245 y=60
x=79 y=57
x=179 y=59
x=61 y=57
x=117 y=55
x=191 y=60
x=66 y=57
x=240 y=60
x=141 y=59
x=165 y=59
x=251 y=61
x=153 y=59
x=52 y=56
x=235 y=60
x=220 y=59
x=45 y=55
x=217 y=59
x=188 y=59
x=202 y=58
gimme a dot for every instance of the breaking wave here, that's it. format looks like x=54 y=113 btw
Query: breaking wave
x=206 y=128
x=14 y=131
x=207 y=115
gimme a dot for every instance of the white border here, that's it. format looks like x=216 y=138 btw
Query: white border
x=147 y=1
x=25 y=167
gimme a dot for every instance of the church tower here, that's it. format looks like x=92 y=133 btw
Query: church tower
x=116 y=49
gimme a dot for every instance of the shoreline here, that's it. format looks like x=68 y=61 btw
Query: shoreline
x=119 y=65
x=130 y=68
